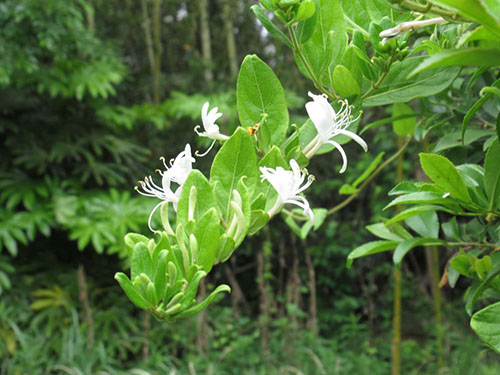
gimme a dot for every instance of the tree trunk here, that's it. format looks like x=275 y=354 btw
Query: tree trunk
x=230 y=42
x=83 y=296
x=312 y=321
x=432 y=258
x=146 y=25
x=398 y=280
x=237 y=296
x=146 y=327
x=201 y=322
x=206 y=47
x=157 y=50
x=263 y=304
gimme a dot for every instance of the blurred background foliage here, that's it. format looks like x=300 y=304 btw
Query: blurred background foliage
x=92 y=92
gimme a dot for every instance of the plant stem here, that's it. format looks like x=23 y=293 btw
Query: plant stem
x=346 y=201
x=398 y=285
x=379 y=82
x=298 y=51
x=428 y=8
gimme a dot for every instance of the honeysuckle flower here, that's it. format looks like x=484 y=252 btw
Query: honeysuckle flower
x=329 y=124
x=211 y=129
x=288 y=185
x=178 y=172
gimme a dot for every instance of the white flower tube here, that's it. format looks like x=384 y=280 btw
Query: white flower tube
x=288 y=185
x=178 y=172
x=211 y=129
x=329 y=124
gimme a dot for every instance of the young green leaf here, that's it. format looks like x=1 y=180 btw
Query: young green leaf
x=261 y=100
x=486 y=324
x=131 y=292
x=370 y=248
x=140 y=262
x=344 y=82
x=444 y=174
x=397 y=87
x=492 y=175
x=236 y=159
x=404 y=247
x=406 y=126
x=204 y=197
x=269 y=25
x=425 y=224
x=207 y=233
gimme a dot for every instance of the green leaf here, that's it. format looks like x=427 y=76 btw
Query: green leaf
x=348 y=190
x=444 y=174
x=483 y=266
x=196 y=309
x=397 y=87
x=131 y=292
x=406 y=126
x=460 y=57
x=305 y=29
x=161 y=274
x=404 y=247
x=344 y=82
x=270 y=27
x=326 y=46
x=421 y=197
x=360 y=13
x=412 y=211
x=236 y=159
x=486 y=324
x=492 y=174
x=258 y=219
x=205 y=198
x=425 y=224
x=476 y=292
x=207 y=233
x=476 y=107
x=369 y=249
x=140 y=262
x=462 y=264
x=306 y=10
x=261 y=99
x=476 y=11
x=454 y=139
x=382 y=231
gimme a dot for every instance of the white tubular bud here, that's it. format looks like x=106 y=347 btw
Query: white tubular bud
x=180 y=241
x=193 y=246
x=237 y=197
x=164 y=218
x=240 y=219
x=192 y=202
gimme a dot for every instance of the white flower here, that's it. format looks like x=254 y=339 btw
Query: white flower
x=288 y=186
x=329 y=124
x=211 y=129
x=177 y=172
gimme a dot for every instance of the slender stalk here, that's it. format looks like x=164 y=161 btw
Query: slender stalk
x=312 y=320
x=83 y=296
x=230 y=42
x=157 y=50
x=398 y=281
x=428 y=8
x=206 y=47
x=298 y=51
x=346 y=201
x=146 y=24
x=379 y=81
